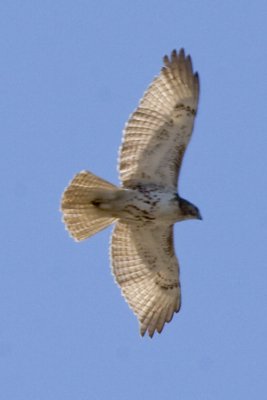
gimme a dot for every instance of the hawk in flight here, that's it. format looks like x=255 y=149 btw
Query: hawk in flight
x=147 y=204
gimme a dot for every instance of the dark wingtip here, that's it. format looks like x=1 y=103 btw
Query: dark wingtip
x=174 y=53
x=182 y=53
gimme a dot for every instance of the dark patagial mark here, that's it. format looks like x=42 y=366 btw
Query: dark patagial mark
x=188 y=109
x=168 y=283
x=163 y=134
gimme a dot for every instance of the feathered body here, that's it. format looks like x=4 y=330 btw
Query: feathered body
x=147 y=204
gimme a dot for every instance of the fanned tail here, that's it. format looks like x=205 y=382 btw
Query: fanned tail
x=82 y=214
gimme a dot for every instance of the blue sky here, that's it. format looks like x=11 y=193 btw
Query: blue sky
x=71 y=73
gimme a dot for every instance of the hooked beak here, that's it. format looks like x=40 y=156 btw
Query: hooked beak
x=199 y=216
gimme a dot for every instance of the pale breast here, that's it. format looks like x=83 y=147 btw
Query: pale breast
x=148 y=203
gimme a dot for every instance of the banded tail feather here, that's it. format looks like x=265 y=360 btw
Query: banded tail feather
x=82 y=215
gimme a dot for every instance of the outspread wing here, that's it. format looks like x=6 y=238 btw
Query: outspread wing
x=146 y=268
x=157 y=133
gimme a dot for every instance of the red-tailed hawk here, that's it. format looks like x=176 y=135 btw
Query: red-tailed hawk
x=147 y=204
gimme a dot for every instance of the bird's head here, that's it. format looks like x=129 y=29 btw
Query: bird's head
x=189 y=210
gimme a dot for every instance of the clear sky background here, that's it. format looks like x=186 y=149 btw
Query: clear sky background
x=71 y=73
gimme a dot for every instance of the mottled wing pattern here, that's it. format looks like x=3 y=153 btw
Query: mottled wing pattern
x=146 y=268
x=157 y=133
